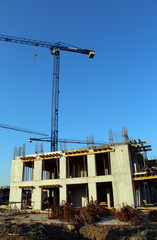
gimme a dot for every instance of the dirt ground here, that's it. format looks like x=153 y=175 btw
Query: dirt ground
x=37 y=226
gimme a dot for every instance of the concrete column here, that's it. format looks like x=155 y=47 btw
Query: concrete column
x=92 y=191
x=36 y=198
x=91 y=165
x=148 y=191
x=62 y=165
x=63 y=193
x=15 y=196
x=140 y=196
x=16 y=178
x=16 y=170
x=145 y=191
x=108 y=200
x=135 y=167
x=37 y=170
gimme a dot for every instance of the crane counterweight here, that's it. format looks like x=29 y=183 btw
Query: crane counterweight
x=91 y=54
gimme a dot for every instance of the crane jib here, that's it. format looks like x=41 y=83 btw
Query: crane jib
x=50 y=45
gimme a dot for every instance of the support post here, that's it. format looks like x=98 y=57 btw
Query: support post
x=104 y=164
x=68 y=174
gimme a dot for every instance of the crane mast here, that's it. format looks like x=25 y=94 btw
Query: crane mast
x=55 y=101
x=55 y=50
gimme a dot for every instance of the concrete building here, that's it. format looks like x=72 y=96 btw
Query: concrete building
x=4 y=194
x=113 y=174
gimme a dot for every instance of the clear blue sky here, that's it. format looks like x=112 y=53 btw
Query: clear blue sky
x=117 y=88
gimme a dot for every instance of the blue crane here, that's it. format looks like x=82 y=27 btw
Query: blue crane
x=55 y=50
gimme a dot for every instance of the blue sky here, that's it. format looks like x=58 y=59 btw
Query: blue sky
x=117 y=88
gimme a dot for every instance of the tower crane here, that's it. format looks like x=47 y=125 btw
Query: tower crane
x=55 y=49
x=64 y=140
x=26 y=130
x=47 y=138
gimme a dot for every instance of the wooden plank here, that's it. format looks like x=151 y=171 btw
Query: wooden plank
x=89 y=153
x=37 y=159
x=145 y=178
x=50 y=186
x=137 y=144
x=103 y=151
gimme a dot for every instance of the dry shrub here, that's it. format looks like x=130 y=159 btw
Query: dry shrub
x=65 y=211
x=153 y=215
x=128 y=214
x=88 y=214
x=103 y=211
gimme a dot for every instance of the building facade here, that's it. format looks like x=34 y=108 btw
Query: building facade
x=104 y=173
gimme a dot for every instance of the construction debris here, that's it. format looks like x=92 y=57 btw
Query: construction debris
x=37 y=226
x=128 y=214
x=36 y=231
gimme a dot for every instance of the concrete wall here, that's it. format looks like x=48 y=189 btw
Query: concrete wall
x=121 y=172
x=16 y=178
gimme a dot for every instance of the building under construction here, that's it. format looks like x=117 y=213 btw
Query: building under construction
x=113 y=174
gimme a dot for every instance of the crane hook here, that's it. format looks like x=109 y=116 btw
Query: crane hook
x=35 y=55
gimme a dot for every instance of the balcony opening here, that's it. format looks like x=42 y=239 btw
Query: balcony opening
x=27 y=198
x=78 y=194
x=50 y=169
x=143 y=194
x=103 y=166
x=77 y=166
x=105 y=194
x=50 y=197
x=28 y=170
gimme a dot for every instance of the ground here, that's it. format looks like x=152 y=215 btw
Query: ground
x=33 y=225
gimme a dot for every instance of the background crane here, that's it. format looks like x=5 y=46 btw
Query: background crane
x=47 y=138
x=2 y=125
x=55 y=50
x=67 y=141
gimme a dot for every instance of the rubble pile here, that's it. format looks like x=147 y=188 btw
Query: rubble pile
x=128 y=214
x=88 y=214
x=153 y=215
